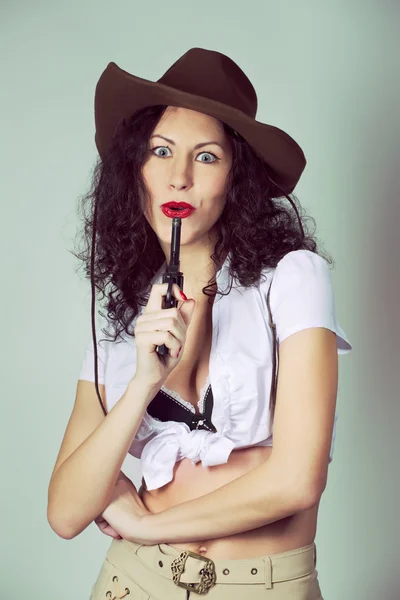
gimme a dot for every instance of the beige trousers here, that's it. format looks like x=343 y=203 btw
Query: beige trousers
x=162 y=572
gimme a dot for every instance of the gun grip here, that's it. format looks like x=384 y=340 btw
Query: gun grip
x=170 y=302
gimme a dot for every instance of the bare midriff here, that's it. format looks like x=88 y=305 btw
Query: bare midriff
x=191 y=481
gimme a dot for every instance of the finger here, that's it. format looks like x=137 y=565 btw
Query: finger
x=157 y=292
x=167 y=324
x=111 y=532
x=151 y=339
x=106 y=528
x=174 y=314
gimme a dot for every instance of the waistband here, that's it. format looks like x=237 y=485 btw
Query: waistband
x=198 y=573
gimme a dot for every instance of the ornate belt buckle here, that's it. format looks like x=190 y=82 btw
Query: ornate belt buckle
x=208 y=575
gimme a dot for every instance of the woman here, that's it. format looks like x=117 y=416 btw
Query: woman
x=220 y=511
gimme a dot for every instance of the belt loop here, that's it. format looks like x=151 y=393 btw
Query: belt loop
x=315 y=555
x=268 y=572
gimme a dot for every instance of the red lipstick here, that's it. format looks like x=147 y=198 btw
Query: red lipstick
x=177 y=209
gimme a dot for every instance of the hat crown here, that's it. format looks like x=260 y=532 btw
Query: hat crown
x=215 y=76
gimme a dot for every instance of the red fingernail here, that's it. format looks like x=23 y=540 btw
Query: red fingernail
x=183 y=295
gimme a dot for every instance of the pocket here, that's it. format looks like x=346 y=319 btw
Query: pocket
x=112 y=583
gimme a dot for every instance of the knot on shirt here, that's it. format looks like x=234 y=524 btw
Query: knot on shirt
x=176 y=442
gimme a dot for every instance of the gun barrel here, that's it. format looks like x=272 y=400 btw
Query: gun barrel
x=175 y=244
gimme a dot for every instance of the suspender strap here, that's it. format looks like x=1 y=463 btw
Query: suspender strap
x=275 y=358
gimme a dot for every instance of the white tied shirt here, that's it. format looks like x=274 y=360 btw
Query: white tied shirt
x=240 y=365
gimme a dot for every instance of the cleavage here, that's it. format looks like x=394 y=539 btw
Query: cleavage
x=195 y=408
x=194 y=364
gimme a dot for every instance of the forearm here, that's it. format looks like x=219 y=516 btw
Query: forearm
x=81 y=487
x=255 y=499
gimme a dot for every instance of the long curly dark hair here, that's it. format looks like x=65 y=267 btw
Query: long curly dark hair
x=121 y=252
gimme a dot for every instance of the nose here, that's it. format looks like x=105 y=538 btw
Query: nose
x=181 y=176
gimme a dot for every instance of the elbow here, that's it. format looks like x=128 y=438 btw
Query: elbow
x=60 y=529
x=297 y=492
x=64 y=518
x=310 y=499
x=62 y=526
x=63 y=529
x=310 y=496
x=303 y=496
x=54 y=518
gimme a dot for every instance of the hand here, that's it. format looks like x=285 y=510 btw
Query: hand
x=100 y=521
x=123 y=516
x=106 y=528
x=157 y=326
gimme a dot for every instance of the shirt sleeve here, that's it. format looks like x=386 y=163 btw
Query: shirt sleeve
x=87 y=364
x=302 y=297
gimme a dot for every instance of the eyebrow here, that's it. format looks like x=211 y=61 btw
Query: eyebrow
x=195 y=147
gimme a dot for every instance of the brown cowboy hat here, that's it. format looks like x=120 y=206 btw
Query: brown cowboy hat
x=206 y=81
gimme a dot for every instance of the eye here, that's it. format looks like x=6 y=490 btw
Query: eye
x=210 y=153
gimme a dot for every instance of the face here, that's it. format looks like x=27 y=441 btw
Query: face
x=177 y=171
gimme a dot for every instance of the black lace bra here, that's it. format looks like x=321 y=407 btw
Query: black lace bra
x=165 y=408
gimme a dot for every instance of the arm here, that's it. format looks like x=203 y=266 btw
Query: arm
x=93 y=450
x=294 y=477
x=250 y=501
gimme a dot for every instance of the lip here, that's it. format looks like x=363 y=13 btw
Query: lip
x=175 y=204
x=182 y=214
x=186 y=209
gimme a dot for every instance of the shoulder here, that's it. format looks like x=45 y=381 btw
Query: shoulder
x=300 y=281
x=302 y=296
x=295 y=268
x=302 y=260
